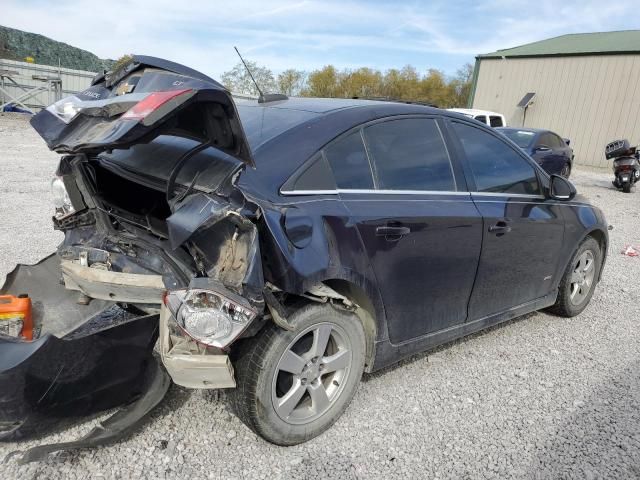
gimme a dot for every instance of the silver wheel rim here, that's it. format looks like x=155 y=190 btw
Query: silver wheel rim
x=565 y=170
x=311 y=373
x=582 y=277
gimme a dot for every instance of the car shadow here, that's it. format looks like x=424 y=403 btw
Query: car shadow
x=600 y=436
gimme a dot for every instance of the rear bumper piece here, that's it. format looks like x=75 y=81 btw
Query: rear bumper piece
x=192 y=370
x=156 y=382
x=87 y=358
x=113 y=286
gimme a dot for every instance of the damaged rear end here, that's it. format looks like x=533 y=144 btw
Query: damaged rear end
x=156 y=238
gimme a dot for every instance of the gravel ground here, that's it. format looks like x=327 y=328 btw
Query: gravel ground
x=539 y=397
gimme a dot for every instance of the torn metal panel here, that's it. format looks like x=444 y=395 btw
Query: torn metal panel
x=115 y=286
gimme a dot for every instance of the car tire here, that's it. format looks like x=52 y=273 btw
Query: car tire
x=579 y=280
x=289 y=388
x=566 y=170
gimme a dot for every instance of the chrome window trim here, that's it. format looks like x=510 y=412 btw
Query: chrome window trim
x=382 y=192
x=411 y=192
x=505 y=194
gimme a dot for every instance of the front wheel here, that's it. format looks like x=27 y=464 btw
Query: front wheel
x=566 y=170
x=579 y=280
x=293 y=385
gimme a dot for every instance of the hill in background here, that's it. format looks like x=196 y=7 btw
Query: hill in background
x=17 y=45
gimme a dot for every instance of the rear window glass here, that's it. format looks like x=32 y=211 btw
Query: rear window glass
x=261 y=124
x=349 y=162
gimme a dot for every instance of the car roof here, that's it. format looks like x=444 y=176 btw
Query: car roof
x=524 y=129
x=313 y=104
x=474 y=111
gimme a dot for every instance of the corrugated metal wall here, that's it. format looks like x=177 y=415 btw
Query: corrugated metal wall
x=72 y=81
x=588 y=99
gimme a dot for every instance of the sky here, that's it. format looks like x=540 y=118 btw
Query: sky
x=309 y=34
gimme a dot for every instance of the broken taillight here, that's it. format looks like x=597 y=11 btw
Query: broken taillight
x=151 y=103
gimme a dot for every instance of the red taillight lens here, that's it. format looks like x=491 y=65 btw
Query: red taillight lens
x=151 y=103
x=625 y=168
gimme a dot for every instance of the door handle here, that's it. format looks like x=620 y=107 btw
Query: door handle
x=389 y=231
x=500 y=228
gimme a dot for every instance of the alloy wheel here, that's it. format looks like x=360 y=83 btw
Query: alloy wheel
x=311 y=373
x=582 y=277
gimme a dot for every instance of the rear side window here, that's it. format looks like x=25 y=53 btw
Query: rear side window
x=495 y=165
x=348 y=160
x=409 y=154
x=496 y=121
x=317 y=176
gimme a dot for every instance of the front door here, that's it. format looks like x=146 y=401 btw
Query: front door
x=420 y=228
x=522 y=231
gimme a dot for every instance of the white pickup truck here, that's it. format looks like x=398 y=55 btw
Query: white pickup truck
x=492 y=119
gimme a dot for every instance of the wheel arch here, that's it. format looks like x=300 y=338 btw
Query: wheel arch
x=366 y=312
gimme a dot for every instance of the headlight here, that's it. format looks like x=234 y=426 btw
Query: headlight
x=61 y=199
x=209 y=317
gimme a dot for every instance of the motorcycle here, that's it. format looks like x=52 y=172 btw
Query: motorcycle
x=626 y=164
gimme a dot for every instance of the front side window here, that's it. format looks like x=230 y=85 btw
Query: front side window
x=349 y=162
x=481 y=118
x=409 y=154
x=495 y=165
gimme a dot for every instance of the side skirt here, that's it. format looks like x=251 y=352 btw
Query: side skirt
x=388 y=353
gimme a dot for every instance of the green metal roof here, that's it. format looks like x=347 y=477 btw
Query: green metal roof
x=600 y=43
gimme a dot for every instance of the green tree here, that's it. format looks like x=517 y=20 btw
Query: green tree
x=238 y=80
x=461 y=85
x=363 y=82
x=121 y=61
x=291 y=82
x=322 y=83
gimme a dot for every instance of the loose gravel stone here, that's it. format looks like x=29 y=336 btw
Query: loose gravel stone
x=539 y=397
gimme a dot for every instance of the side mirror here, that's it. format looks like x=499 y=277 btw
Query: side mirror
x=561 y=189
x=541 y=148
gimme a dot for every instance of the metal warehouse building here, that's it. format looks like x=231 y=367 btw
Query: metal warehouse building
x=586 y=86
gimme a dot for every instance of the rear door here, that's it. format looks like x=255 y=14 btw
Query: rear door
x=522 y=232
x=420 y=229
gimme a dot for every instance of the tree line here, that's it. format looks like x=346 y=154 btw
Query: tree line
x=401 y=84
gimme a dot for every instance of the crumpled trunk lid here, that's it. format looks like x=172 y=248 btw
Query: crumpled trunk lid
x=130 y=106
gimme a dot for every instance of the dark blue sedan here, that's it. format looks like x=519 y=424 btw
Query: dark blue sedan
x=549 y=150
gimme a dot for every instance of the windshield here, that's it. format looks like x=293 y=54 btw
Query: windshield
x=261 y=124
x=522 y=138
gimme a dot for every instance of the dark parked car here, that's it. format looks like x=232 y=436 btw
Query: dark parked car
x=287 y=245
x=549 y=150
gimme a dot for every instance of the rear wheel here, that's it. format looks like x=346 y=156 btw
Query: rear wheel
x=292 y=386
x=626 y=187
x=579 y=280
